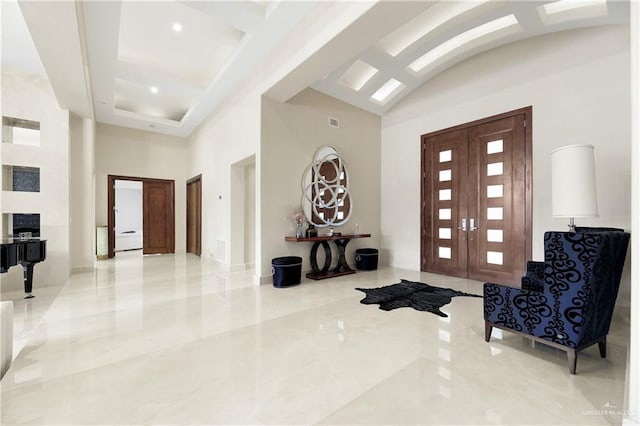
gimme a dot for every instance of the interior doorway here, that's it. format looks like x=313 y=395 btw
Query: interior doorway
x=158 y=214
x=194 y=215
x=243 y=205
x=128 y=215
x=476 y=199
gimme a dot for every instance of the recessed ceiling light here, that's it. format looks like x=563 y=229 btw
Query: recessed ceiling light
x=177 y=27
x=358 y=74
x=423 y=24
x=571 y=10
x=153 y=89
x=564 y=5
x=462 y=39
x=387 y=90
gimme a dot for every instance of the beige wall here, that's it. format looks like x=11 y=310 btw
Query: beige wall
x=31 y=97
x=231 y=138
x=291 y=133
x=279 y=149
x=127 y=152
x=578 y=84
x=228 y=140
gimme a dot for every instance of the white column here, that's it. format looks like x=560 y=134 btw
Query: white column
x=82 y=194
x=88 y=189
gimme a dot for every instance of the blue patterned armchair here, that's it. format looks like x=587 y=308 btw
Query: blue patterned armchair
x=566 y=301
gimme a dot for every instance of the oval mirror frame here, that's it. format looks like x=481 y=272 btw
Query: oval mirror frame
x=326 y=200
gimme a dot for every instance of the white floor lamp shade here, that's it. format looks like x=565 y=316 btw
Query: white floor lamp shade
x=573 y=182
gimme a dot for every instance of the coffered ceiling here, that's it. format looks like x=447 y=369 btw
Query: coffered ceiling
x=165 y=66
x=154 y=65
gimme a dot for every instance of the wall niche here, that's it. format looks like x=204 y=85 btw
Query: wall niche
x=20 y=179
x=20 y=131
x=15 y=224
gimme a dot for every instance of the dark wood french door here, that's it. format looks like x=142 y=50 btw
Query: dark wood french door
x=476 y=199
x=194 y=215
x=158 y=214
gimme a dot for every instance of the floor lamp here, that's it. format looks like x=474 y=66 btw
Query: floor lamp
x=573 y=183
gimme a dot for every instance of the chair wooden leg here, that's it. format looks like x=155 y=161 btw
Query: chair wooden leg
x=487 y=331
x=602 y=345
x=572 y=357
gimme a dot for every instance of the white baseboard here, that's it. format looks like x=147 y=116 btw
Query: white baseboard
x=82 y=269
x=237 y=267
x=242 y=267
x=266 y=279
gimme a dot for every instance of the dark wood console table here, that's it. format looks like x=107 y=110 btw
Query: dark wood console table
x=342 y=268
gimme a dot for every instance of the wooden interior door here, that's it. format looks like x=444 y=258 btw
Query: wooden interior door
x=194 y=215
x=158 y=216
x=476 y=199
x=497 y=169
x=445 y=169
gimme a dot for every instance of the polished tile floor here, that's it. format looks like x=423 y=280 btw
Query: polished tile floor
x=172 y=339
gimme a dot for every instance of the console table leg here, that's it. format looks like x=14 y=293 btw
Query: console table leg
x=314 y=257
x=342 y=266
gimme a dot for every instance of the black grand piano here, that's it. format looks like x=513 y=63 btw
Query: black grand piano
x=26 y=252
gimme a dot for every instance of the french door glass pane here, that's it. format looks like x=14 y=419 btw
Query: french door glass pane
x=494 y=147
x=494 y=213
x=495 y=169
x=445 y=195
x=495 y=191
x=494 y=257
x=444 y=233
x=444 y=252
x=494 y=235
x=445 y=214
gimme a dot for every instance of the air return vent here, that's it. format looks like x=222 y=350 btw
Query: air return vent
x=334 y=122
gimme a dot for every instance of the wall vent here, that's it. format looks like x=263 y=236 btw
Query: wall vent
x=334 y=122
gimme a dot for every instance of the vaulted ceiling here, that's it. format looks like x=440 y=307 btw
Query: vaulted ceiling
x=165 y=66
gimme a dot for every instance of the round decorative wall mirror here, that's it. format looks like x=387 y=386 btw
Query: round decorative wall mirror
x=326 y=200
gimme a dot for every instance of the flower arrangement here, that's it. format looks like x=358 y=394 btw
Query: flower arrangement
x=299 y=218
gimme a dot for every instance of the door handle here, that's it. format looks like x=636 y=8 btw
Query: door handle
x=464 y=224
x=472 y=226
